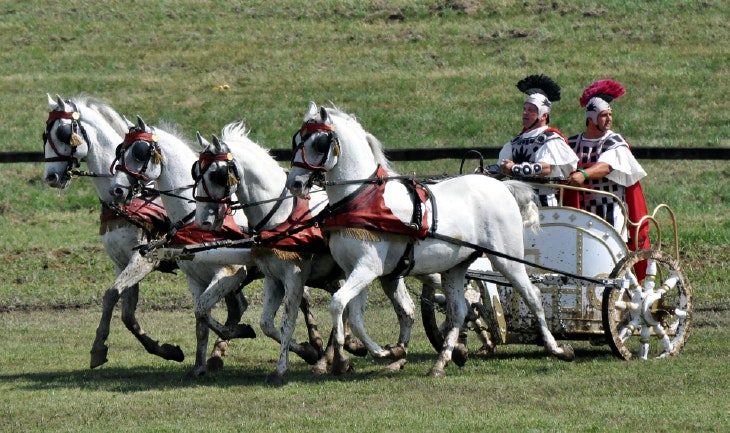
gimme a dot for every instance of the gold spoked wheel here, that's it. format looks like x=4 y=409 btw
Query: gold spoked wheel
x=650 y=319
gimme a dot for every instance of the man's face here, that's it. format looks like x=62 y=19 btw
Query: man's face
x=529 y=115
x=604 y=120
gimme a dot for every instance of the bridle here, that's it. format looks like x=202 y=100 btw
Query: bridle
x=226 y=176
x=67 y=134
x=134 y=139
x=145 y=149
x=323 y=143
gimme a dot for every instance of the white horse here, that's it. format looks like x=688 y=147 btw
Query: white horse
x=291 y=251
x=154 y=155
x=465 y=212
x=86 y=129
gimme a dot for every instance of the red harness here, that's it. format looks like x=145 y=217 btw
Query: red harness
x=192 y=234
x=150 y=214
x=367 y=210
x=289 y=235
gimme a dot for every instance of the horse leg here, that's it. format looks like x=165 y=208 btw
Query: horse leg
x=293 y=296
x=223 y=283
x=274 y=295
x=128 y=277
x=312 y=331
x=352 y=344
x=397 y=292
x=129 y=307
x=202 y=331
x=320 y=367
x=236 y=305
x=353 y=294
x=452 y=282
x=517 y=276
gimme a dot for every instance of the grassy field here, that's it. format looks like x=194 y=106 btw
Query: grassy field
x=416 y=74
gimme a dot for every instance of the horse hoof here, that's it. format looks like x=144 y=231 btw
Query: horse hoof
x=220 y=347
x=244 y=331
x=486 y=350
x=215 y=363
x=395 y=366
x=343 y=367
x=397 y=352
x=355 y=347
x=197 y=371
x=172 y=353
x=460 y=355
x=309 y=354
x=98 y=357
x=568 y=354
x=319 y=368
x=437 y=372
x=275 y=379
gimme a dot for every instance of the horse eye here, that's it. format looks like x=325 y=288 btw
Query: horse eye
x=322 y=143
x=141 y=151
x=63 y=133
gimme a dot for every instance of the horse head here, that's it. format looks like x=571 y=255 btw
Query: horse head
x=315 y=150
x=65 y=142
x=138 y=162
x=215 y=177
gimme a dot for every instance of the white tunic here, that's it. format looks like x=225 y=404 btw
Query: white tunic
x=542 y=145
x=613 y=150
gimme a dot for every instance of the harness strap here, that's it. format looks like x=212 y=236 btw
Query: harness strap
x=405 y=264
x=271 y=213
x=481 y=249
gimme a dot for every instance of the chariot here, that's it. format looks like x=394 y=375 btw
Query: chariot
x=584 y=271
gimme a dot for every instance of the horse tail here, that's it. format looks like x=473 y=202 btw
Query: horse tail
x=525 y=196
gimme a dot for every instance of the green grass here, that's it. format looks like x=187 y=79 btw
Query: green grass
x=416 y=74
x=46 y=385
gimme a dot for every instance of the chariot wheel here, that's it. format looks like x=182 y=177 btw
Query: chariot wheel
x=433 y=315
x=651 y=319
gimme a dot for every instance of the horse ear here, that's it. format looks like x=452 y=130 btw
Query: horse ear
x=202 y=141
x=311 y=112
x=323 y=115
x=61 y=104
x=216 y=143
x=130 y=125
x=51 y=103
x=141 y=124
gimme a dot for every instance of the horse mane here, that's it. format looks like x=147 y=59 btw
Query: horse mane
x=173 y=129
x=375 y=145
x=105 y=111
x=235 y=136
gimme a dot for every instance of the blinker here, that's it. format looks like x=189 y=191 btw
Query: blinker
x=63 y=133
x=141 y=151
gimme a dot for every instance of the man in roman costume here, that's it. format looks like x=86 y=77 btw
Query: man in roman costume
x=539 y=151
x=607 y=164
